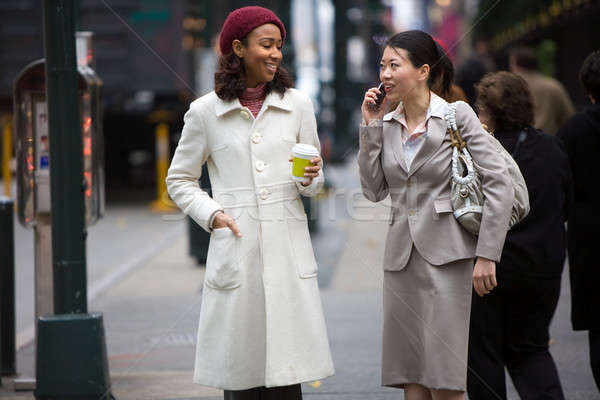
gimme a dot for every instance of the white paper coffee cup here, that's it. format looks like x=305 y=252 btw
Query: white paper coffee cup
x=302 y=153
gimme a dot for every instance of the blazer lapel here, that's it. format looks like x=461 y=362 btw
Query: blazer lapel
x=436 y=130
x=390 y=129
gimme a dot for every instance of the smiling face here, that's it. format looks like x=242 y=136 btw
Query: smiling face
x=399 y=76
x=261 y=55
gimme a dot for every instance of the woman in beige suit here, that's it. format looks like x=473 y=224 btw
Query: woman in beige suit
x=429 y=257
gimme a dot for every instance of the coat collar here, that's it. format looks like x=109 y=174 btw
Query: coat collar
x=272 y=100
x=437 y=108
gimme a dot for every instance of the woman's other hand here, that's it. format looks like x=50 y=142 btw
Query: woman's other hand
x=484 y=276
x=369 y=111
x=223 y=220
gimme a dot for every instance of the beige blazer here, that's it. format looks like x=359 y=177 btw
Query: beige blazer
x=421 y=212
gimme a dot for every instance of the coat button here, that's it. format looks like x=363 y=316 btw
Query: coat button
x=264 y=194
x=244 y=114
x=409 y=182
x=260 y=166
x=256 y=138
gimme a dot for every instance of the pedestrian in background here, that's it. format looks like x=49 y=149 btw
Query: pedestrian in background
x=261 y=331
x=551 y=102
x=429 y=257
x=581 y=136
x=509 y=327
x=475 y=66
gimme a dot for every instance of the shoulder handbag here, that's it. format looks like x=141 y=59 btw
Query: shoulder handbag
x=465 y=183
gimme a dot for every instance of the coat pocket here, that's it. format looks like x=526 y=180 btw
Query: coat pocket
x=302 y=250
x=223 y=263
x=442 y=205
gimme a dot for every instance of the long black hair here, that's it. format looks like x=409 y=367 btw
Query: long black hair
x=422 y=49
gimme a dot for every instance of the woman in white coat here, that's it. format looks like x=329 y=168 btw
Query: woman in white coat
x=261 y=331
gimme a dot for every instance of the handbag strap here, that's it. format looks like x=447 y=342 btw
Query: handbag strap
x=456 y=139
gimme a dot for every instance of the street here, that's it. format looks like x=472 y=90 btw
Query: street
x=148 y=288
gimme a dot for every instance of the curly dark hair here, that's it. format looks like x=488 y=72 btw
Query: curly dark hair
x=230 y=81
x=507 y=99
x=589 y=75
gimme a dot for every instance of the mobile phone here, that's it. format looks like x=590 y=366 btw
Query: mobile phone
x=380 y=96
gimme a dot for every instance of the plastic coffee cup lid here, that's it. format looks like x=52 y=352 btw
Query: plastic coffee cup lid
x=305 y=150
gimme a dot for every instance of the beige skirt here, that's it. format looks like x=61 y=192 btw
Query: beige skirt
x=426 y=324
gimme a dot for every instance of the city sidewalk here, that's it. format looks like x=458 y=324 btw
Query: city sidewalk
x=151 y=315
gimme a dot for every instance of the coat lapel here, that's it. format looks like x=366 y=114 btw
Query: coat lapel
x=436 y=130
x=396 y=141
x=390 y=129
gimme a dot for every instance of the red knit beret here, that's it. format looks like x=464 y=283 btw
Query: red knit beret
x=242 y=21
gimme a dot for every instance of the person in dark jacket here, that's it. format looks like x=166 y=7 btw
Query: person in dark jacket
x=473 y=69
x=581 y=136
x=510 y=326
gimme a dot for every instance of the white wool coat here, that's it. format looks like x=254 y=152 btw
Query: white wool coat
x=261 y=321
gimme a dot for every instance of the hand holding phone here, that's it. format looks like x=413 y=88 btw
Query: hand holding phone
x=372 y=103
x=380 y=96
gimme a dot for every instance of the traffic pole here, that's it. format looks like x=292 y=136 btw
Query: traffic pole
x=71 y=349
x=66 y=158
x=7 y=287
x=162 y=203
x=6 y=154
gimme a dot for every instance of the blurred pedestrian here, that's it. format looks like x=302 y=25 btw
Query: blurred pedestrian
x=429 y=257
x=261 y=331
x=581 y=136
x=510 y=326
x=475 y=66
x=551 y=102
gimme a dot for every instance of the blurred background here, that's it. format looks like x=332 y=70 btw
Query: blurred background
x=156 y=56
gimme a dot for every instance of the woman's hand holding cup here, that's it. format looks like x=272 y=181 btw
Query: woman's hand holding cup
x=223 y=220
x=369 y=107
x=306 y=163
x=312 y=171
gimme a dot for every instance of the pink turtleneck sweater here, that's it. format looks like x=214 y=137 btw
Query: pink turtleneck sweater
x=253 y=98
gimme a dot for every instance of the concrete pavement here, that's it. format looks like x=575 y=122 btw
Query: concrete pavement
x=151 y=312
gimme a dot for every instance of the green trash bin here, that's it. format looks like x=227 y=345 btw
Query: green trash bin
x=71 y=358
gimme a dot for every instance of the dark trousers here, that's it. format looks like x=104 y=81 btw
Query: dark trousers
x=509 y=327
x=293 y=392
x=594 y=337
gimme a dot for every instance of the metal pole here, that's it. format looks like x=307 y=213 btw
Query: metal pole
x=162 y=202
x=66 y=159
x=6 y=154
x=84 y=373
x=7 y=287
x=342 y=29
